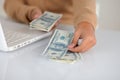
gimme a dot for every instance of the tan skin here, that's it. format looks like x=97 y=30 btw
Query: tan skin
x=84 y=31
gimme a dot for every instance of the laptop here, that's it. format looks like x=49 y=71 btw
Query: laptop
x=15 y=35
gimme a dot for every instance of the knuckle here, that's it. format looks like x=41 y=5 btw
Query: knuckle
x=82 y=50
x=74 y=41
x=92 y=40
x=95 y=41
x=76 y=50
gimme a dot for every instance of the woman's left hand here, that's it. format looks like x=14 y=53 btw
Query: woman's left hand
x=84 y=31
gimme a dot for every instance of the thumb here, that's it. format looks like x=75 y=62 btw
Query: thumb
x=35 y=14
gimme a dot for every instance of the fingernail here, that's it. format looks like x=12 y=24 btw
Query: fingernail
x=71 y=46
x=36 y=16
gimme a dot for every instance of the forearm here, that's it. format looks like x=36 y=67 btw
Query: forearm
x=85 y=11
x=18 y=10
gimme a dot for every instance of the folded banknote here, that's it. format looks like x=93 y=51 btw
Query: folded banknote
x=46 y=21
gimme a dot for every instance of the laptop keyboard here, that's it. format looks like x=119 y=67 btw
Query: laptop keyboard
x=13 y=37
x=17 y=33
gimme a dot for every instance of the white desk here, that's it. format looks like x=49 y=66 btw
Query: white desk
x=100 y=63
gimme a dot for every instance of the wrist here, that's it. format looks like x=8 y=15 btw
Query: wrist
x=85 y=25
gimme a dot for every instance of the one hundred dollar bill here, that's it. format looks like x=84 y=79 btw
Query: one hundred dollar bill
x=46 y=21
x=69 y=57
x=58 y=45
x=57 y=48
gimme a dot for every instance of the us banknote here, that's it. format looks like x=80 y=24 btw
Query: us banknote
x=69 y=57
x=57 y=48
x=46 y=21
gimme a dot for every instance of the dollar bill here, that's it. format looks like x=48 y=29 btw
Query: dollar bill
x=57 y=48
x=46 y=21
x=69 y=57
x=58 y=44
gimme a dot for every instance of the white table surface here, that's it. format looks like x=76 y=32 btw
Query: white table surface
x=100 y=63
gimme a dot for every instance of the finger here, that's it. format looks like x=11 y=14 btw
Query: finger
x=58 y=22
x=75 y=40
x=90 y=45
x=85 y=45
x=35 y=14
x=80 y=47
x=53 y=28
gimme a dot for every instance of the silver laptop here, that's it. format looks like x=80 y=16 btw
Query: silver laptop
x=14 y=35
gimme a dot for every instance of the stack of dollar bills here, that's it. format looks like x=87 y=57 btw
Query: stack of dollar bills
x=57 y=48
x=45 y=22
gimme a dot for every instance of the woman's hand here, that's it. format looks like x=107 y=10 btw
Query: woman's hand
x=84 y=31
x=34 y=14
